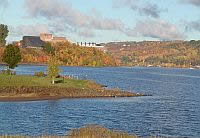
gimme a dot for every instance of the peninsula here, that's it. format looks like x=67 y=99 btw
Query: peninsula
x=33 y=88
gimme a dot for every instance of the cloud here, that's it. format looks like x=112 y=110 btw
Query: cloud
x=60 y=12
x=22 y=30
x=133 y=4
x=62 y=17
x=151 y=10
x=158 y=29
x=87 y=33
x=3 y=3
x=56 y=10
x=193 y=2
x=193 y=26
x=148 y=9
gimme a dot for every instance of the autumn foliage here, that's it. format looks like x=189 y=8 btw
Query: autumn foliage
x=67 y=54
x=157 y=53
x=73 y=55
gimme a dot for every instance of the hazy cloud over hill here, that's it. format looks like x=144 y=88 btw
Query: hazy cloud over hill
x=151 y=10
x=29 y=29
x=159 y=29
x=60 y=12
x=110 y=19
x=87 y=33
x=146 y=9
x=193 y=2
x=194 y=26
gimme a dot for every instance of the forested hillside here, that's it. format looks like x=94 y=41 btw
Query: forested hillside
x=68 y=54
x=156 y=53
x=73 y=55
x=147 y=53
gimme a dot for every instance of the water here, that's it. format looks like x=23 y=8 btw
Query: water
x=174 y=108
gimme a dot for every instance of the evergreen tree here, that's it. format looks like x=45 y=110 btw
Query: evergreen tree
x=3 y=34
x=11 y=56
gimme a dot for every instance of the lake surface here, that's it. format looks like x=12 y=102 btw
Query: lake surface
x=173 y=110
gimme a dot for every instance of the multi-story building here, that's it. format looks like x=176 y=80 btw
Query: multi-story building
x=39 y=41
x=32 y=42
x=46 y=37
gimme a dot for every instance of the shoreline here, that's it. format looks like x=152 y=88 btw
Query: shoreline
x=45 y=64
x=23 y=94
x=49 y=98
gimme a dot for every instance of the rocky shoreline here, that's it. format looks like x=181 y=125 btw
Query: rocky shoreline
x=35 y=93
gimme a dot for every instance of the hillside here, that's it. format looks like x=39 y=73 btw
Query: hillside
x=156 y=53
x=68 y=54
x=181 y=54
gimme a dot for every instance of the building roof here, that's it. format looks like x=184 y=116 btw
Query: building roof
x=59 y=38
x=32 y=41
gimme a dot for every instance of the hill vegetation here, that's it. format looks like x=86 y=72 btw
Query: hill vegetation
x=73 y=55
x=156 y=53
x=67 y=54
x=181 y=54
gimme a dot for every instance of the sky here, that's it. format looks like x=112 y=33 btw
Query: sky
x=103 y=20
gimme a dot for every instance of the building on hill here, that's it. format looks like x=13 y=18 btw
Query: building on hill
x=85 y=44
x=100 y=46
x=49 y=38
x=59 y=39
x=46 y=37
x=38 y=41
x=90 y=44
x=32 y=42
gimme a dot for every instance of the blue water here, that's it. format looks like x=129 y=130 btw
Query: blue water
x=173 y=110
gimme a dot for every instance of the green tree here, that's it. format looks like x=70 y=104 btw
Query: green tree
x=53 y=69
x=3 y=34
x=11 y=56
x=125 y=59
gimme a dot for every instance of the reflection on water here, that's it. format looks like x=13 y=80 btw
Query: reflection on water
x=172 y=110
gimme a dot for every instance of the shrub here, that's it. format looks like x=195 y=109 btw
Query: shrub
x=95 y=131
x=40 y=74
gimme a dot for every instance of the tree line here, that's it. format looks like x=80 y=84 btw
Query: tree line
x=167 y=54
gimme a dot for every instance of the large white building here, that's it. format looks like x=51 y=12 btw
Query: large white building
x=92 y=44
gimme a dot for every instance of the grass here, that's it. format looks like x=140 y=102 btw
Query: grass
x=20 y=88
x=95 y=131
x=19 y=80
x=90 y=131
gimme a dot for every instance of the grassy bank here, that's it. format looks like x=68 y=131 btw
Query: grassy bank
x=90 y=131
x=29 y=88
x=18 y=81
x=93 y=131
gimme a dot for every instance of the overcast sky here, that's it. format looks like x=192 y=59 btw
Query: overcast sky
x=103 y=20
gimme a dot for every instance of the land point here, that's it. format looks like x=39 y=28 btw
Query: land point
x=33 y=88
